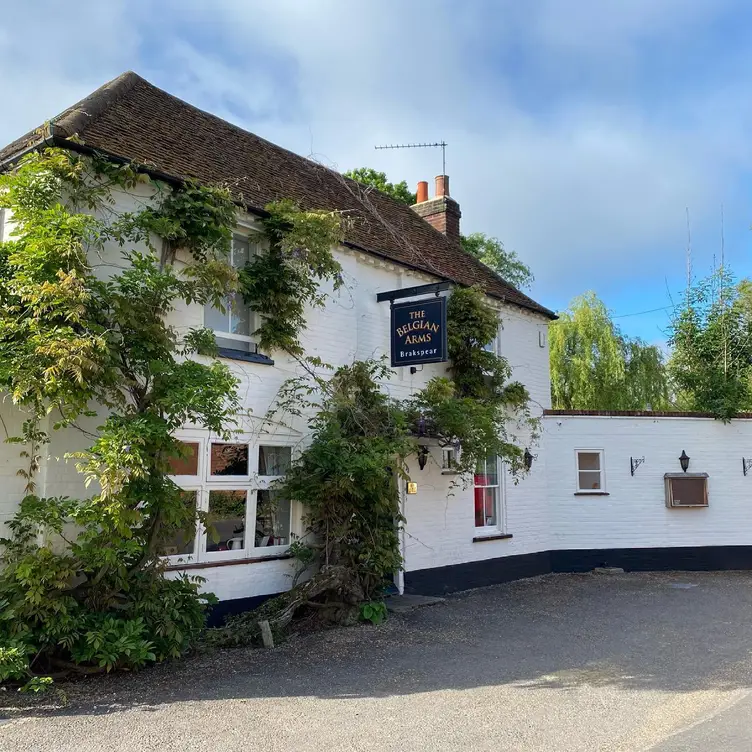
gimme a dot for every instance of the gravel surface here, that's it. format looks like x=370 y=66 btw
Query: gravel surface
x=562 y=662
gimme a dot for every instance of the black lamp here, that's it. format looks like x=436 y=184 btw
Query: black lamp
x=528 y=458
x=684 y=461
x=422 y=457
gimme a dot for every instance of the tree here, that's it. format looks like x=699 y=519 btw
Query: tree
x=378 y=180
x=507 y=264
x=71 y=342
x=361 y=438
x=711 y=335
x=490 y=251
x=595 y=367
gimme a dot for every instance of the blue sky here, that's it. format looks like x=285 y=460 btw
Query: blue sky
x=579 y=131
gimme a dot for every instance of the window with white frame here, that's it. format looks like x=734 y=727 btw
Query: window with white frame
x=494 y=344
x=232 y=483
x=234 y=323
x=488 y=495
x=591 y=475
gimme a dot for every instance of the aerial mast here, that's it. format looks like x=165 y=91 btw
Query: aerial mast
x=437 y=144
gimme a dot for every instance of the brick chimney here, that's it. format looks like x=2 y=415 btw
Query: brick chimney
x=442 y=211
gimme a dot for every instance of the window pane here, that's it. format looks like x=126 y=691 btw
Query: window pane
x=480 y=468
x=485 y=507
x=188 y=463
x=240 y=316
x=216 y=320
x=182 y=542
x=229 y=459
x=492 y=472
x=274 y=460
x=590 y=480
x=490 y=506
x=272 y=519
x=236 y=344
x=589 y=460
x=240 y=251
x=480 y=510
x=227 y=518
x=486 y=472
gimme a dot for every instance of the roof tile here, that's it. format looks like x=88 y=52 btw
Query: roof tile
x=132 y=119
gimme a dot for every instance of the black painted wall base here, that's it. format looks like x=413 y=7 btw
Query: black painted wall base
x=220 y=611
x=443 y=580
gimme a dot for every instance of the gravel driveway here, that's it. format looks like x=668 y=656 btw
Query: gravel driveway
x=562 y=662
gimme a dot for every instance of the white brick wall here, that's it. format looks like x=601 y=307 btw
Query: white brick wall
x=246 y=580
x=11 y=484
x=634 y=514
x=351 y=326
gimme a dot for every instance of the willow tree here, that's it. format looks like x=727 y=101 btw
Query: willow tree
x=596 y=367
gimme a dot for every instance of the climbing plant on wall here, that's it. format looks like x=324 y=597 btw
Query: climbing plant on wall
x=479 y=410
x=74 y=345
x=91 y=595
x=283 y=281
x=350 y=473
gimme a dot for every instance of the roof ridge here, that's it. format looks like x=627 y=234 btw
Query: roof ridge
x=130 y=118
x=76 y=118
x=308 y=160
x=355 y=184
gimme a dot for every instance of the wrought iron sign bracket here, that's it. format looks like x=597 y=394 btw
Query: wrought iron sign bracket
x=412 y=292
x=634 y=463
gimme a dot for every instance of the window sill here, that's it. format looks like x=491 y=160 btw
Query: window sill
x=228 y=563
x=226 y=352
x=592 y=493
x=497 y=536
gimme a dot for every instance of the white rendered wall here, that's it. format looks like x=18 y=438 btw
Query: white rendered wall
x=634 y=514
x=352 y=326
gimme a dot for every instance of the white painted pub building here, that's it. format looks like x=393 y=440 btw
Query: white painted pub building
x=601 y=490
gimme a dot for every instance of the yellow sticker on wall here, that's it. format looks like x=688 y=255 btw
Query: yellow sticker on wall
x=412 y=488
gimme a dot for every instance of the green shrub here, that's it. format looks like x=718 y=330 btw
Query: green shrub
x=373 y=611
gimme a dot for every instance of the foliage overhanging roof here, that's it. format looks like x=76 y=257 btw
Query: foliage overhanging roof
x=131 y=119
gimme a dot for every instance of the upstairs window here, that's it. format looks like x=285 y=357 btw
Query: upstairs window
x=494 y=345
x=234 y=326
x=591 y=477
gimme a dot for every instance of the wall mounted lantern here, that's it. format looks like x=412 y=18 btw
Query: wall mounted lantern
x=457 y=446
x=684 y=461
x=528 y=459
x=422 y=457
x=634 y=463
x=746 y=465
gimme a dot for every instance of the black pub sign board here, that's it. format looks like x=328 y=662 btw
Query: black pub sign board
x=419 y=332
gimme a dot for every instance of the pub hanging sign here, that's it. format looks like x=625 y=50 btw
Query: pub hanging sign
x=419 y=332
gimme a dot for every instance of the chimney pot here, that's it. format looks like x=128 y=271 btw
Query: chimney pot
x=442 y=185
x=442 y=212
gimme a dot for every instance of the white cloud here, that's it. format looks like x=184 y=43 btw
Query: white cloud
x=555 y=144
x=52 y=54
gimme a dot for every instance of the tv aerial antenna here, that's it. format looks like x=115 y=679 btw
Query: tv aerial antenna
x=437 y=144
